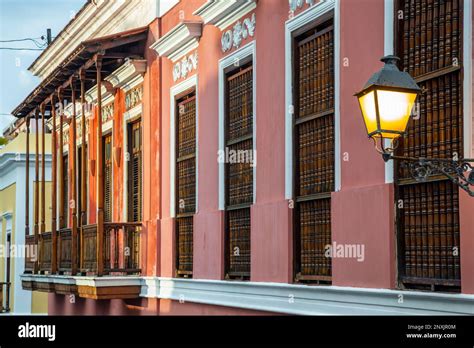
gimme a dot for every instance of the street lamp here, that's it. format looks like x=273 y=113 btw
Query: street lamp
x=386 y=103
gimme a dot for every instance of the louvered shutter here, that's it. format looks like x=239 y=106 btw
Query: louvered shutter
x=314 y=151
x=239 y=171
x=429 y=39
x=185 y=182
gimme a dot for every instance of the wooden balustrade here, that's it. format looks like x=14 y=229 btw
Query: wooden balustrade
x=121 y=250
x=64 y=240
x=30 y=260
x=45 y=251
x=88 y=249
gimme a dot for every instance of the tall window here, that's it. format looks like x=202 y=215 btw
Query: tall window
x=79 y=179
x=107 y=156
x=429 y=43
x=135 y=172
x=185 y=182
x=65 y=180
x=238 y=170
x=314 y=151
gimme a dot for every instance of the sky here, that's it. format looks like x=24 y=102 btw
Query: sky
x=20 y=19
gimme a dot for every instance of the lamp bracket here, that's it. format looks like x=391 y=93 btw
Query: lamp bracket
x=460 y=172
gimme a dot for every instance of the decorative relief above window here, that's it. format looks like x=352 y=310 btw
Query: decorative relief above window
x=241 y=31
x=133 y=97
x=66 y=136
x=107 y=112
x=79 y=129
x=185 y=66
x=298 y=4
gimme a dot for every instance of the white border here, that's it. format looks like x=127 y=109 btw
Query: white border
x=249 y=50
x=274 y=297
x=305 y=18
x=174 y=91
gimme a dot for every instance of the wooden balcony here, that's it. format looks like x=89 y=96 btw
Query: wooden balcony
x=79 y=262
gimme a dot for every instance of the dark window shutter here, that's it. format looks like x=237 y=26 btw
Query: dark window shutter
x=429 y=43
x=239 y=172
x=135 y=189
x=185 y=182
x=107 y=146
x=314 y=151
x=65 y=201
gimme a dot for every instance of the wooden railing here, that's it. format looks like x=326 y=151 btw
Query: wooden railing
x=88 y=249
x=121 y=250
x=64 y=250
x=30 y=261
x=4 y=297
x=45 y=251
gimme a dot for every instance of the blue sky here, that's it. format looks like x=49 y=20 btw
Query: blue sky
x=21 y=19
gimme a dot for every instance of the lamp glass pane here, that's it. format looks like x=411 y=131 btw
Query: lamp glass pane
x=395 y=109
x=367 y=105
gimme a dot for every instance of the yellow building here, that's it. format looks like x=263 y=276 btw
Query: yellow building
x=15 y=300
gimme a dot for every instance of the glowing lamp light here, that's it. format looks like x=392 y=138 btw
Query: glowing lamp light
x=387 y=100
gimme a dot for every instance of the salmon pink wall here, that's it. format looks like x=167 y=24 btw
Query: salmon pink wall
x=271 y=233
x=168 y=307
x=182 y=11
x=364 y=217
x=362 y=211
x=151 y=150
x=208 y=221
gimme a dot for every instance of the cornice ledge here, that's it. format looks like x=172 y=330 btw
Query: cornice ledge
x=223 y=13
x=127 y=72
x=91 y=94
x=179 y=41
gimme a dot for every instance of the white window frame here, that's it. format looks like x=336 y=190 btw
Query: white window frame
x=182 y=87
x=291 y=26
x=245 y=52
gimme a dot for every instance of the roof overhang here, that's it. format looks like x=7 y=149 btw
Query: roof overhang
x=83 y=57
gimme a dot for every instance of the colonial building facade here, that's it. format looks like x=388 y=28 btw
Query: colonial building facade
x=211 y=159
x=17 y=181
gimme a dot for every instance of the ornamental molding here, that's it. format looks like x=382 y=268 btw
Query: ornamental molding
x=127 y=72
x=185 y=66
x=233 y=38
x=91 y=95
x=133 y=97
x=107 y=112
x=223 y=13
x=179 y=41
x=298 y=4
